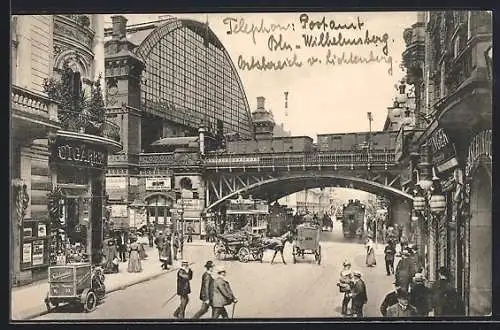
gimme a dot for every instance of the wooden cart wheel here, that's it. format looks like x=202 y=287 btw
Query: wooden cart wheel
x=319 y=255
x=244 y=254
x=50 y=304
x=90 y=302
x=219 y=250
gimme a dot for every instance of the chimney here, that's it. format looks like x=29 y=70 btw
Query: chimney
x=261 y=100
x=119 y=27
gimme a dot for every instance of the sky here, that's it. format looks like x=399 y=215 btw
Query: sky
x=333 y=95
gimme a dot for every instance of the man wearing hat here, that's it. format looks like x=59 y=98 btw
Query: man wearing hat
x=206 y=290
x=420 y=295
x=403 y=271
x=358 y=294
x=445 y=299
x=389 y=252
x=222 y=295
x=184 y=275
x=403 y=307
x=390 y=299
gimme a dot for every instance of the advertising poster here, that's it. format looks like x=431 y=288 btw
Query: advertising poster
x=42 y=230
x=37 y=253
x=26 y=253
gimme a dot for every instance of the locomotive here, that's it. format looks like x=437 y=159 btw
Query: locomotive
x=353 y=218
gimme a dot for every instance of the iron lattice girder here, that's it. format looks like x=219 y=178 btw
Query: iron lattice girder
x=274 y=185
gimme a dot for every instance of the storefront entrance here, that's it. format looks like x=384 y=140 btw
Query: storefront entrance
x=158 y=210
x=480 y=242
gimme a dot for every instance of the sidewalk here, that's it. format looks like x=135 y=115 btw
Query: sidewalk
x=28 y=302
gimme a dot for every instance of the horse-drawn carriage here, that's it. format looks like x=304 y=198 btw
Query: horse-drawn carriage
x=78 y=283
x=241 y=245
x=307 y=242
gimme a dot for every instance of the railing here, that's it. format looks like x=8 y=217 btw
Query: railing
x=170 y=159
x=33 y=103
x=302 y=159
x=89 y=124
x=123 y=158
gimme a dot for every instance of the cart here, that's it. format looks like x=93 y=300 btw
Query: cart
x=307 y=242
x=78 y=283
x=242 y=246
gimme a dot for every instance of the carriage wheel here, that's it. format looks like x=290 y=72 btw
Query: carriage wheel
x=319 y=255
x=90 y=302
x=219 y=250
x=244 y=254
x=50 y=303
x=294 y=253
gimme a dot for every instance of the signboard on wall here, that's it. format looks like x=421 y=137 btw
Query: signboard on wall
x=443 y=151
x=119 y=211
x=37 y=254
x=189 y=203
x=26 y=253
x=79 y=153
x=116 y=187
x=158 y=184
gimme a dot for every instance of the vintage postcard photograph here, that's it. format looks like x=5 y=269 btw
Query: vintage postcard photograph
x=211 y=166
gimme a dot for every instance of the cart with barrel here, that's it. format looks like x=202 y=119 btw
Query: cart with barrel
x=307 y=242
x=78 y=283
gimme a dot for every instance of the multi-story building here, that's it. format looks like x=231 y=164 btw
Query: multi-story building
x=448 y=60
x=173 y=89
x=59 y=143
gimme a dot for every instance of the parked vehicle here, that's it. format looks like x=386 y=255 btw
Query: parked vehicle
x=78 y=283
x=241 y=245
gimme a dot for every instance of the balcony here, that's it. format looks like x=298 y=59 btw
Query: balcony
x=33 y=114
x=84 y=126
x=170 y=159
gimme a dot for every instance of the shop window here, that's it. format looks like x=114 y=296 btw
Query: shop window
x=72 y=175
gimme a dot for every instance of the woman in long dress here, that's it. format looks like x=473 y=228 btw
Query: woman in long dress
x=110 y=256
x=370 y=253
x=134 y=261
x=165 y=255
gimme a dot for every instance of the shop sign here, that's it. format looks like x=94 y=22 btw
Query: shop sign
x=448 y=183
x=443 y=151
x=26 y=253
x=42 y=230
x=479 y=146
x=37 y=256
x=158 y=184
x=119 y=211
x=134 y=181
x=79 y=153
x=188 y=203
x=116 y=183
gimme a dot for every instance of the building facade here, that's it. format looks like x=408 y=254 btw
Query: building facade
x=447 y=61
x=173 y=90
x=60 y=141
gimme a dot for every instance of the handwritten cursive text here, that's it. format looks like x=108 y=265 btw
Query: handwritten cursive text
x=323 y=24
x=324 y=40
x=333 y=59
x=263 y=64
x=241 y=26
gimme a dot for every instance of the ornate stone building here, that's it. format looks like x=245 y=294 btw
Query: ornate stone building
x=60 y=140
x=447 y=61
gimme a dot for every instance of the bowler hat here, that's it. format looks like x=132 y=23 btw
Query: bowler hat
x=209 y=264
x=356 y=273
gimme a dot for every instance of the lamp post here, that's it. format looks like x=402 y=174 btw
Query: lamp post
x=370 y=119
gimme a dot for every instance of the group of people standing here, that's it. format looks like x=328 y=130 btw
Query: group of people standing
x=411 y=295
x=215 y=291
x=120 y=248
x=354 y=289
x=168 y=249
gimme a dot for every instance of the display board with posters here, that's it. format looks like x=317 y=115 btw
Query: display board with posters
x=37 y=255
x=35 y=243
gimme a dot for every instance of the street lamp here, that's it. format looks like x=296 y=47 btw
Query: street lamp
x=370 y=119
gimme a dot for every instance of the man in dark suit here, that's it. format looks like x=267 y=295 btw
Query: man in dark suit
x=206 y=290
x=184 y=275
x=389 y=252
x=358 y=295
x=445 y=299
x=402 y=308
x=390 y=299
x=403 y=270
x=222 y=295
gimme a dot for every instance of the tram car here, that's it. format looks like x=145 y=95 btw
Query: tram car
x=353 y=217
x=280 y=220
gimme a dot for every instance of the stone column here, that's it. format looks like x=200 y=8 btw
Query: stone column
x=23 y=77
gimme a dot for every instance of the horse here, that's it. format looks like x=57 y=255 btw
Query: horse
x=277 y=244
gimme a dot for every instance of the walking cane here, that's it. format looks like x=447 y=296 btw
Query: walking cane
x=169 y=299
x=232 y=314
